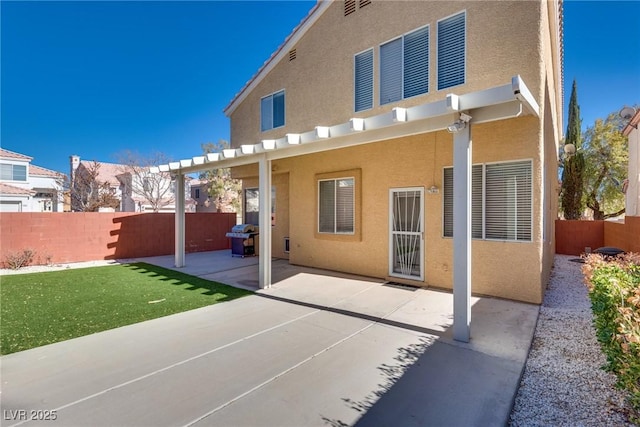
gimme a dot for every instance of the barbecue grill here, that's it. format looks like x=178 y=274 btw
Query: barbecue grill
x=243 y=240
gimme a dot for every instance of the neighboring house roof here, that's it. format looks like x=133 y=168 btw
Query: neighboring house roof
x=40 y=171
x=633 y=124
x=282 y=50
x=15 y=191
x=6 y=154
x=107 y=172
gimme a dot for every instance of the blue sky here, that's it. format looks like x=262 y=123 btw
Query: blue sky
x=97 y=78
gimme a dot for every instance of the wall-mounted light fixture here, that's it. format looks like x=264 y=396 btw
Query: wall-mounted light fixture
x=459 y=124
x=433 y=189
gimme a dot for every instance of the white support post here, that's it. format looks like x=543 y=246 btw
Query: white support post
x=264 y=189
x=180 y=220
x=462 y=168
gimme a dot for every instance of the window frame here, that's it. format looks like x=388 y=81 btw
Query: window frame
x=335 y=206
x=483 y=207
x=402 y=71
x=270 y=98
x=356 y=235
x=371 y=83
x=13 y=172
x=465 y=50
x=257 y=196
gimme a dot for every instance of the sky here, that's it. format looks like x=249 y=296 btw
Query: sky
x=97 y=78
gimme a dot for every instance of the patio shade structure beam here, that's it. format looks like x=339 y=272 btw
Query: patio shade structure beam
x=497 y=103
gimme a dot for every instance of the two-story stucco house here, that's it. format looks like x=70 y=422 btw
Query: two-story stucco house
x=413 y=141
x=25 y=187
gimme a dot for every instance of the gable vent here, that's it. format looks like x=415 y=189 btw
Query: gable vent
x=349 y=7
x=292 y=54
x=363 y=3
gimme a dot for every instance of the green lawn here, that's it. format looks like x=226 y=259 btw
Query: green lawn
x=43 y=308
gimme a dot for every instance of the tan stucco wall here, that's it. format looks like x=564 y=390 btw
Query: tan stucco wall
x=412 y=161
x=502 y=42
x=503 y=39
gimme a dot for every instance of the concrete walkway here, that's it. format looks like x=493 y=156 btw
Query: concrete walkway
x=318 y=348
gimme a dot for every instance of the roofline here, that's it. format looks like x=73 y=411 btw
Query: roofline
x=314 y=14
x=633 y=124
x=21 y=156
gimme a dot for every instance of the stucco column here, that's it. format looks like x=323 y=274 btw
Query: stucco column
x=180 y=220
x=462 y=168
x=264 y=221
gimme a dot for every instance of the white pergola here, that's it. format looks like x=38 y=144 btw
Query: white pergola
x=455 y=113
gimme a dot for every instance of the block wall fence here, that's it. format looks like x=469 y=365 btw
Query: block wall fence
x=572 y=237
x=88 y=236
x=79 y=236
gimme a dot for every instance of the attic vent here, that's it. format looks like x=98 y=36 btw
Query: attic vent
x=364 y=3
x=349 y=7
x=292 y=54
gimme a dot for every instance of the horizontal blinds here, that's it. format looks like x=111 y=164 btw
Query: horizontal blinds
x=508 y=201
x=391 y=71
x=326 y=211
x=501 y=202
x=345 y=206
x=266 y=113
x=476 y=202
x=451 y=51
x=416 y=62
x=278 y=109
x=447 y=209
x=364 y=81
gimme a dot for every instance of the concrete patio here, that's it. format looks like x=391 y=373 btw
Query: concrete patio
x=318 y=348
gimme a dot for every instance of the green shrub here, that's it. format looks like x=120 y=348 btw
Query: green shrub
x=614 y=290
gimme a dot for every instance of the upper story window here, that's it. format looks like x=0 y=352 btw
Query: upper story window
x=364 y=80
x=272 y=111
x=451 y=51
x=404 y=66
x=10 y=172
x=501 y=201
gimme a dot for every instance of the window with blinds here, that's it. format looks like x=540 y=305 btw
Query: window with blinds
x=451 y=51
x=501 y=201
x=336 y=206
x=364 y=80
x=12 y=172
x=272 y=111
x=404 y=66
x=476 y=202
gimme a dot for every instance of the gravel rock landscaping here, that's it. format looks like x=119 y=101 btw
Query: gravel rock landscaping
x=563 y=383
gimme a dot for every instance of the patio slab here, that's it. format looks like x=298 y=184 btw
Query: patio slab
x=318 y=348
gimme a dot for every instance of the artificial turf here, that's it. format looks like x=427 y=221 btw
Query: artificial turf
x=44 y=308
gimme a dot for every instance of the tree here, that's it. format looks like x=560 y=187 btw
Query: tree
x=606 y=156
x=571 y=199
x=88 y=193
x=223 y=189
x=156 y=190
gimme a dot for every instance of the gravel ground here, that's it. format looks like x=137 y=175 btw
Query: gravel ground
x=563 y=384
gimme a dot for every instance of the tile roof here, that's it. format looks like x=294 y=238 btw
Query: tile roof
x=40 y=171
x=108 y=172
x=16 y=191
x=6 y=154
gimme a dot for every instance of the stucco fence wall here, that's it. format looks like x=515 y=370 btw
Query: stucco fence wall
x=74 y=237
x=572 y=237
